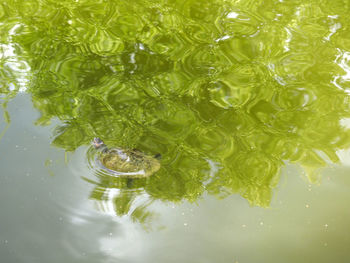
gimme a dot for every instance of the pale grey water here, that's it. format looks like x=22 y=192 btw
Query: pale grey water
x=47 y=216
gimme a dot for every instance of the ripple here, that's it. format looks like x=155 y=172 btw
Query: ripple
x=213 y=142
x=200 y=34
x=174 y=45
x=200 y=61
x=236 y=87
x=239 y=23
x=93 y=163
x=292 y=66
x=294 y=98
x=202 y=10
x=32 y=8
x=103 y=44
x=226 y=96
x=126 y=26
x=245 y=50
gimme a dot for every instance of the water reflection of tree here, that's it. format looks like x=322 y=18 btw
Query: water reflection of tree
x=200 y=85
x=124 y=197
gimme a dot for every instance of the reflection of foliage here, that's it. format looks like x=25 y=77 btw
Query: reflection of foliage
x=202 y=82
x=14 y=70
x=122 y=193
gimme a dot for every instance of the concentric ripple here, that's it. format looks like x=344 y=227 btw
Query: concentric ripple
x=95 y=165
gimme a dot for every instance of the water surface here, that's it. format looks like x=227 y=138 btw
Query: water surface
x=246 y=101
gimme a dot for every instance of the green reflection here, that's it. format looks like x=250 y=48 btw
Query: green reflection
x=226 y=91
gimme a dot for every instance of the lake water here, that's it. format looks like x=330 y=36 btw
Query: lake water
x=246 y=101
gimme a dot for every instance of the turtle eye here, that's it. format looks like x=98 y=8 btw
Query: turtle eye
x=97 y=140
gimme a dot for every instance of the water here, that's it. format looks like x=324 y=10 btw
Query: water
x=246 y=101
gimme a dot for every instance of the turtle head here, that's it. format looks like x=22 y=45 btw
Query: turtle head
x=97 y=143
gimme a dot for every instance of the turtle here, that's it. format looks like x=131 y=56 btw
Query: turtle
x=128 y=163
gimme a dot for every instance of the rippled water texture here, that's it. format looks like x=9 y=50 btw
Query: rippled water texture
x=228 y=92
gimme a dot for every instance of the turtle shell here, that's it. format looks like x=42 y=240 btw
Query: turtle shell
x=129 y=163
